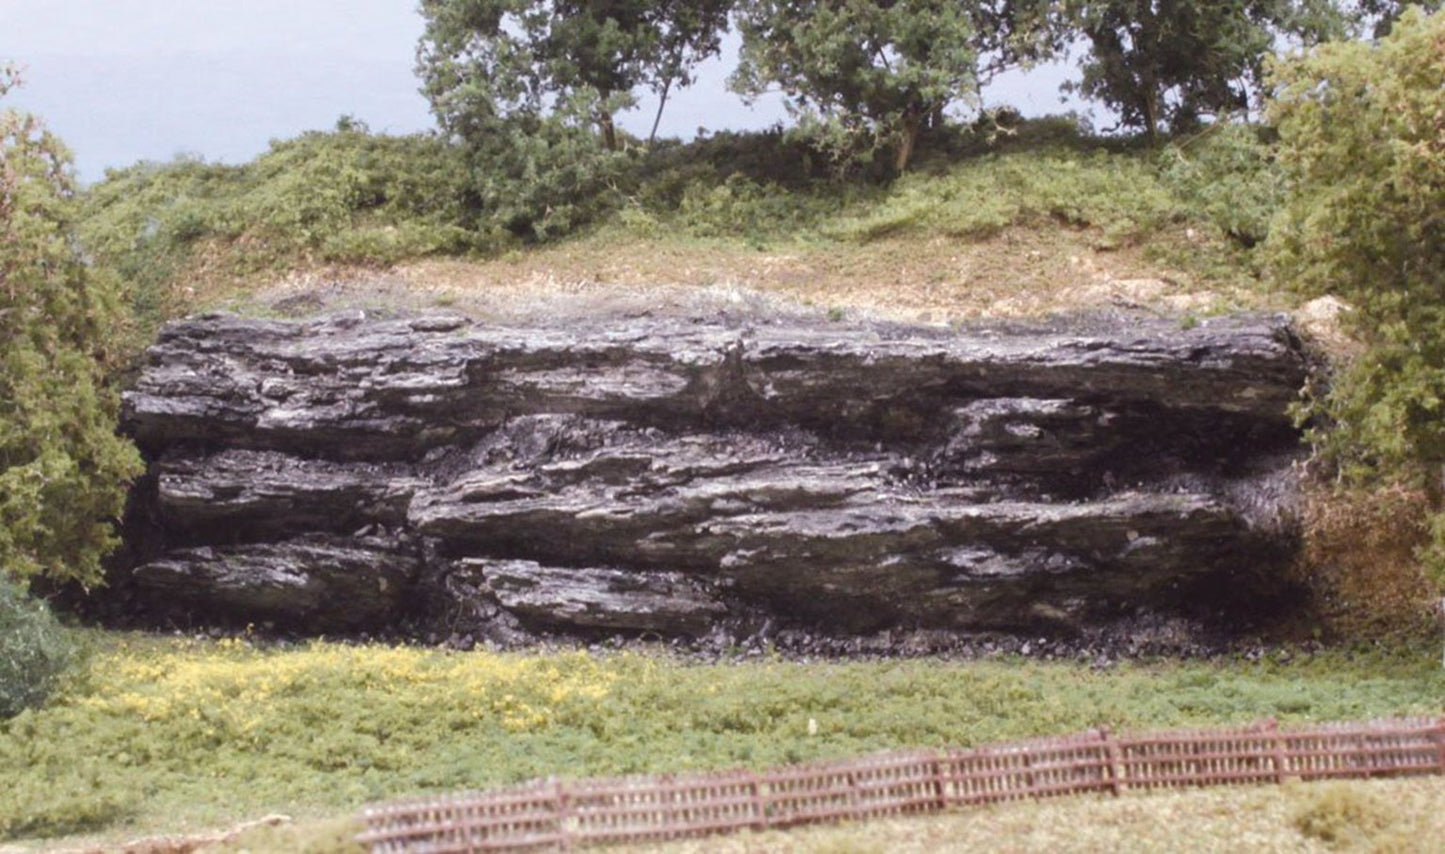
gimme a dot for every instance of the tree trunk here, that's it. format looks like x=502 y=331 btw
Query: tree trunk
x=912 y=126
x=609 y=131
x=1149 y=104
x=661 y=105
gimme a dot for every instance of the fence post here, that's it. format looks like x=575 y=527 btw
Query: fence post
x=940 y=786
x=1029 y=780
x=855 y=797
x=1111 y=754
x=1279 y=757
x=1439 y=736
x=760 y=807
x=562 y=810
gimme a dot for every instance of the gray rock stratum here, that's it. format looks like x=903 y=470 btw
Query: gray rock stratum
x=684 y=477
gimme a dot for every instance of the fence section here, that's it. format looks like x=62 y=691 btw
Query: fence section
x=552 y=815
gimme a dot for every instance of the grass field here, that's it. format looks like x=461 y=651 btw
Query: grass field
x=163 y=734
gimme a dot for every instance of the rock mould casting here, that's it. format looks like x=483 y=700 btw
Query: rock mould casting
x=671 y=476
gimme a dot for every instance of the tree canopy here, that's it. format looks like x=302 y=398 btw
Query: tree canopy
x=860 y=74
x=1165 y=64
x=582 y=60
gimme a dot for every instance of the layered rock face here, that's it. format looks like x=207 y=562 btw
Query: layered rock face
x=673 y=477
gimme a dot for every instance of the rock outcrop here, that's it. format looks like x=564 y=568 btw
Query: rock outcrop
x=673 y=477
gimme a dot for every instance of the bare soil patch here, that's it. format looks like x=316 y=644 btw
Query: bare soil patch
x=1020 y=272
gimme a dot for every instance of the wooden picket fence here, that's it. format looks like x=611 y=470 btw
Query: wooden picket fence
x=560 y=815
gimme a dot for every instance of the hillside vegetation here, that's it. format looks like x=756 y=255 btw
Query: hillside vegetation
x=1016 y=212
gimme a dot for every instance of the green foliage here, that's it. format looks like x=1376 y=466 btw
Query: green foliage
x=741 y=207
x=1016 y=33
x=70 y=804
x=34 y=651
x=1379 y=16
x=860 y=75
x=1364 y=149
x=63 y=470
x=1170 y=64
x=485 y=62
x=522 y=84
x=1228 y=175
x=329 y=727
x=540 y=179
x=348 y=196
x=1120 y=195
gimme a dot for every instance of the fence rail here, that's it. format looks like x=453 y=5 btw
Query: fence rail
x=553 y=814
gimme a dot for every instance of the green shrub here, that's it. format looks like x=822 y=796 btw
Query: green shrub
x=741 y=207
x=63 y=470
x=1228 y=175
x=1362 y=146
x=546 y=180
x=34 y=650
x=63 y=808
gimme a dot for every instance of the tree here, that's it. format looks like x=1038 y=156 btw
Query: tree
x=1168 y=63
x=63 y=469
x=860 y=74
x=1379 y=16
x=530 y=88
x=482 y=60
x=1362 y=140
x=1013 y=33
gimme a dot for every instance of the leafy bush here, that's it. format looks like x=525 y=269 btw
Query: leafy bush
x=34 y=650
x=1362 y=146
x=741 y=207
x=546 y=179
x=63 y=470
x=1228 y=175
x=61 y=807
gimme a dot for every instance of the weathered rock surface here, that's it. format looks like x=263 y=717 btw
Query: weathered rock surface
x=327 y=583
x=671 y=477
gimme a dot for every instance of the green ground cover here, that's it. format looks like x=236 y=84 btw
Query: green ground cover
x=159 y=734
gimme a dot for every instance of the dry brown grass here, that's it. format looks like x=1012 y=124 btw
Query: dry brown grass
x=1359 y=562
x=1377 y=816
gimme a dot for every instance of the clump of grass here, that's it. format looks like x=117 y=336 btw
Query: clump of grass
x=1339 y=814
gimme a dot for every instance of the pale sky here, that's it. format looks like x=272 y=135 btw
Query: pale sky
x=129 y=80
